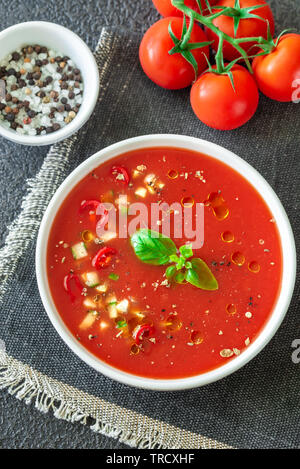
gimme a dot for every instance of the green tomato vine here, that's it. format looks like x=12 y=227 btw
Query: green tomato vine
x=183 y=46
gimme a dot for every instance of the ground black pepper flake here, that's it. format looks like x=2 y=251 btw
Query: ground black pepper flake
x=15 y=56
x=10 y=116
x=56 y=126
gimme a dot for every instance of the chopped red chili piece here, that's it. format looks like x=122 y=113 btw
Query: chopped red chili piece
x=67 y=284
x=103 y=257
x=98 y=208
x=139 y=332
x=90 y=204
x=121 y=174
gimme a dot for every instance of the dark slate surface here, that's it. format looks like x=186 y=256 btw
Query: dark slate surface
x=21 y=426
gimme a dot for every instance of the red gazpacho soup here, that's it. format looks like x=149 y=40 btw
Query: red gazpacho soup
x=154 y=305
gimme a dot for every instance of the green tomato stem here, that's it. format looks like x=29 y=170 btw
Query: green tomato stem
x=208 y=22
x=219 y=56
x=187 y=35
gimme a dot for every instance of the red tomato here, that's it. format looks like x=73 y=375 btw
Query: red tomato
x=215 y=102
x=248 y=27
x=165 y=7
x=170 y=71
x=278 y=73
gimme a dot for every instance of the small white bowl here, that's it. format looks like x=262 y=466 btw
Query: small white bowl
x=271 y=199
x=64 y=41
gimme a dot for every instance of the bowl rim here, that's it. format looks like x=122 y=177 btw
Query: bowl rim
x=81 y=118
x=268 y=195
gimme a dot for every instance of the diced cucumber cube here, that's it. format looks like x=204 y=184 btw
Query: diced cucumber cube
x=102 y=288
x=89 y=320
x=89 y=303
x=79 y=251
x=91 y=279
x=122 y=307
x=112 y=311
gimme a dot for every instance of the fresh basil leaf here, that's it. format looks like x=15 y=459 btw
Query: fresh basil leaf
x=174 y=258
x=186 y=251
x=152 y=247
x=179 y=277
x=180 y=263
x=201 y=276
x=170 y=271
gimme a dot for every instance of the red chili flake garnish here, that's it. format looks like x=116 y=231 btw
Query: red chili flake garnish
x=103 y=257
x=139 y=332
x=121 y=174
x=67 y=284
x=90 y=204
x=98 y=208
x=27 y=121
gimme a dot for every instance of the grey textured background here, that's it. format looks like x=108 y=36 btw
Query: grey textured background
x=21 y=426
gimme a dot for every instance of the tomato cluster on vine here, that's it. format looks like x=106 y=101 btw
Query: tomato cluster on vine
x=175 y=53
